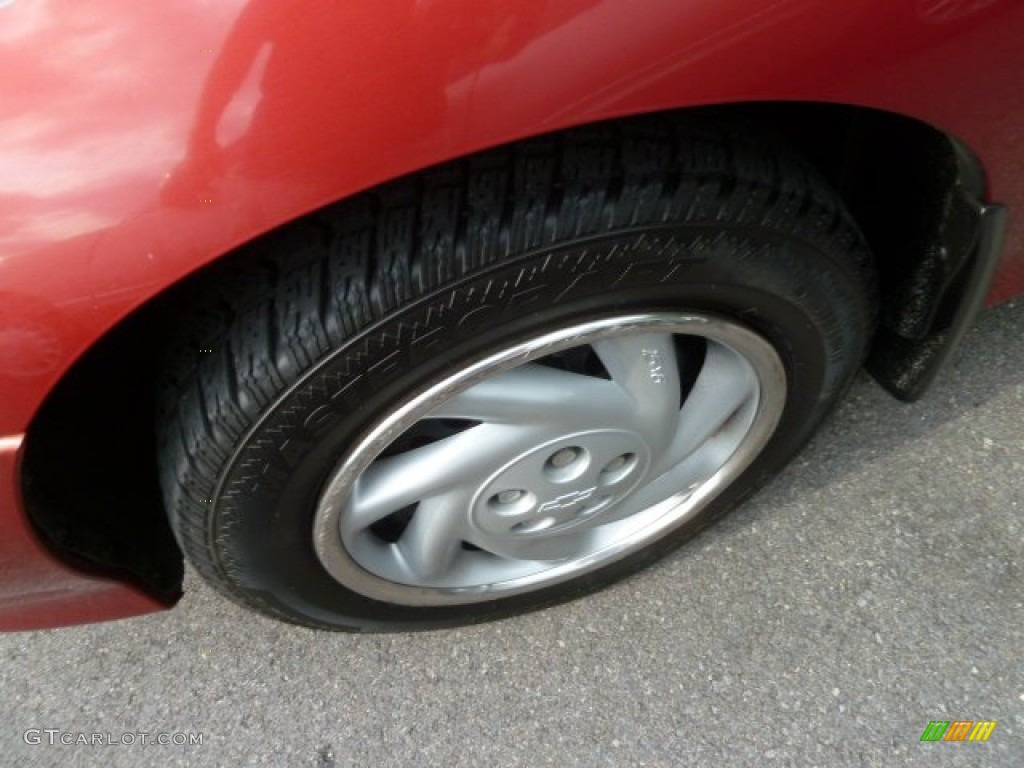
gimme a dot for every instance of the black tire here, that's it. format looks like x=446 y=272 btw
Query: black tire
x=318 y=330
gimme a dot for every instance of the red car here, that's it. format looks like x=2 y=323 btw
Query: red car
x=413 y=313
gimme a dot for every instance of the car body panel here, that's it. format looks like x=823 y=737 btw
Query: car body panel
x=36 y=589
x=140 y=141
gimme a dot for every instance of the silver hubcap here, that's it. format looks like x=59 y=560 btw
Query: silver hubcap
x=521 y=471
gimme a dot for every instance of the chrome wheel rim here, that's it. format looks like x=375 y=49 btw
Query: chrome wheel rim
x=542 y=471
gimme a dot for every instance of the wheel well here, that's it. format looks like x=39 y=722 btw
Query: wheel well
x=90 y=466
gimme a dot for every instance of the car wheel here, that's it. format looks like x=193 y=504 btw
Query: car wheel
x=510 y=380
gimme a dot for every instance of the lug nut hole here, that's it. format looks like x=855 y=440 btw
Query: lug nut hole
x=532 y=526
x=618 y=468
x=566 y=464
x=591 y=509
x=512 y=502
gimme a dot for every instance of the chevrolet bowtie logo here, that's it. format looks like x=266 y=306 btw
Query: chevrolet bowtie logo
x=567 y=500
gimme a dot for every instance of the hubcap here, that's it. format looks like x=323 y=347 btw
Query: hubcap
x=552 y=488
x=549 y=459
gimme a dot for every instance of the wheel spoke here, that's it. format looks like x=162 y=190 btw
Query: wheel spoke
x=725 y=383
x=539 y=394
x=684 y=476
x=645 y=367
x=392 y=483
x=433 y=537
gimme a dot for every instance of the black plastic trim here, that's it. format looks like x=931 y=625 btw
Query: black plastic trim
x=907 y=367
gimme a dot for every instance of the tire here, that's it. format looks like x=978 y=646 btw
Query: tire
x=464 y=395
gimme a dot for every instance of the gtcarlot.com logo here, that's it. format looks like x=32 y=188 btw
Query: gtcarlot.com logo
x=57 y=737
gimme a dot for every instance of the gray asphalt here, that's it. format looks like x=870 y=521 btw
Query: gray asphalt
x=874 y=587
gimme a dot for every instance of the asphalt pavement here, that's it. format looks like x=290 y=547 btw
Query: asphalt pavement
x=874 y=587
